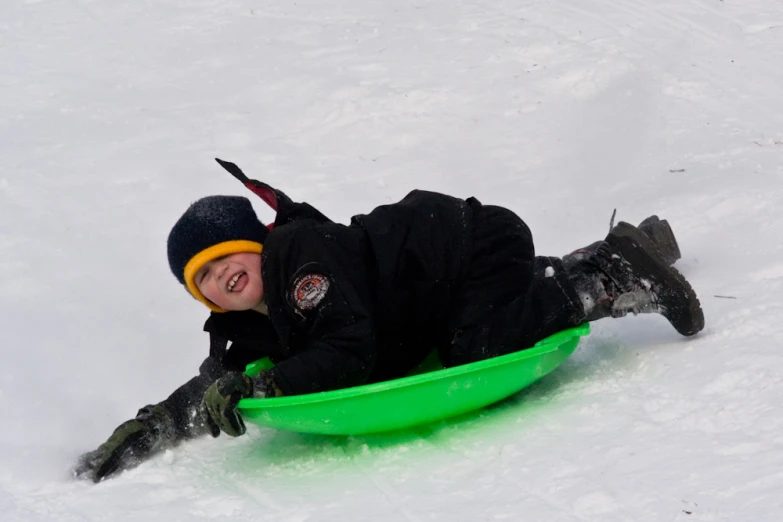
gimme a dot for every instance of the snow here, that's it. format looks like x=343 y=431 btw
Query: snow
x=111 y=113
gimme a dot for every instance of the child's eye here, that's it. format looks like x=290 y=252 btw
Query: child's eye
x=203 y=275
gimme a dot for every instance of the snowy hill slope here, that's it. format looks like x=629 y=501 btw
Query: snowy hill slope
x=111 y=113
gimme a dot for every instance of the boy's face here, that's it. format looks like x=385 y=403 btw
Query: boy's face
x=232 y=282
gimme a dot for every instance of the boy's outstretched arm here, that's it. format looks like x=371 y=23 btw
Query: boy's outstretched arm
x=156 y=427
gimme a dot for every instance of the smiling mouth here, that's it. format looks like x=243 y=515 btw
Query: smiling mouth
x=232 y=283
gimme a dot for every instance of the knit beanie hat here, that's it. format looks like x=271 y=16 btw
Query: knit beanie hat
x=212 y=227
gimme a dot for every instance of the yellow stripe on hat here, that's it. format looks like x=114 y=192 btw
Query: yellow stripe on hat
x=225 y=248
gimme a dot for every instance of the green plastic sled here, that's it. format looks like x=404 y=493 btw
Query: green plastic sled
x=428 y=396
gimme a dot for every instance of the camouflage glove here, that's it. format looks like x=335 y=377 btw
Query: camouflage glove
x=223 y=395
x=130 y=444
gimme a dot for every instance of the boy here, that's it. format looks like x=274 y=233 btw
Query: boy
x=336 y=306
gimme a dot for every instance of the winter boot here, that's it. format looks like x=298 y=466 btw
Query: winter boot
x=625 y=274
x=659 y=231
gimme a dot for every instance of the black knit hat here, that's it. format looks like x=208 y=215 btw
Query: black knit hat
x=212 y=227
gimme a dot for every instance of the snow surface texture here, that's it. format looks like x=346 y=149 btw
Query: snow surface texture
x=111 y=112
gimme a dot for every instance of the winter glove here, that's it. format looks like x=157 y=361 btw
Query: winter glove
x=130 y=444
x=222 y=397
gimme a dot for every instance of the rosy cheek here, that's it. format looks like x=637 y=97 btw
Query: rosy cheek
x=207 y=289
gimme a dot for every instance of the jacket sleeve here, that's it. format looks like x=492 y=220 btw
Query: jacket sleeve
x=252 y=338
x=185 y=403
x=316 y=285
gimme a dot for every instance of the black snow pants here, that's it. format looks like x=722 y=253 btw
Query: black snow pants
x=510 y=299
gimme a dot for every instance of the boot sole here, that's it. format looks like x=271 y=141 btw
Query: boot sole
x=648 y=222
x=666 y=244
x=661 y=234
x=681 y=305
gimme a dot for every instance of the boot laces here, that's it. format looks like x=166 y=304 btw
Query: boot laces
x=627 y=292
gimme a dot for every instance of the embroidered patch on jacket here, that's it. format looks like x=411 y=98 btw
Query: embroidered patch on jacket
x=309 y=290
